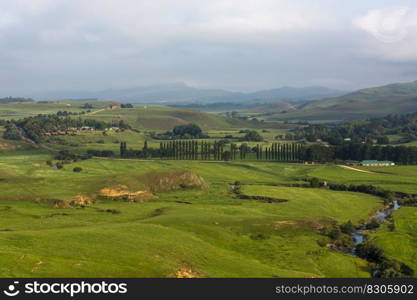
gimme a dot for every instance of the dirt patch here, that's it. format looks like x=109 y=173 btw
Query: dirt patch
x=54 y=215
x=114 y=191
x=77 y=201
x=80 y=201
x=122 y=192
x=187 y=273
x=262 y=198
x=174 y=180
x=316 y=225
x=354 y=169
x=111 y=211
x=37 y=266
x=7 y=146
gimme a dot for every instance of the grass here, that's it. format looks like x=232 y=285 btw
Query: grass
x=396 y=178
x=153 y=117
x=316 y=203
x=400 y=243
x=217 y=235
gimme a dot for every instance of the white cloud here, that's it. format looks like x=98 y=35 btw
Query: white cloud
x=219 y=43
x=393 y=33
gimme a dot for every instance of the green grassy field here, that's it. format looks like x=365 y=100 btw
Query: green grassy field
x=19 y=110
x=207 y=232
x=396 y=178
x=401 y=242
x=217 y=235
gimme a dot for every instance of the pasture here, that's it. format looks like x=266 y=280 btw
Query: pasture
x=209 y=231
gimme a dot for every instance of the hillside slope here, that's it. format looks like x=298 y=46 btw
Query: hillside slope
x=398 y=98
x=161 y=118
x=181 y=93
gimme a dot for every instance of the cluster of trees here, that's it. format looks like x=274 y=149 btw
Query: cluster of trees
x=400 y=154
x=405 y=155
x=194 y=150
x=187 y=131
x=126 y=105
x=66 y=157
x=290 y=152
x=35 y=128
x=371 y=131
x=87 y=106
x=252 y=136
x=145 y=152
x=385 y=267
x=69 y=113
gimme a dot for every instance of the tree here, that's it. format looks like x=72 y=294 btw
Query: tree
x=252 y=136
x=347 y=227
x=315 y=182
x=370 y=252
x=126 y=105
x=87 y=106
x=12 y=133
x=192 y=130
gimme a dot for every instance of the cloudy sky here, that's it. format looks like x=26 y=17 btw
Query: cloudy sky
x=48 y=45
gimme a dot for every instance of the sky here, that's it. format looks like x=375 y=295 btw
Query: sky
x=240 y=45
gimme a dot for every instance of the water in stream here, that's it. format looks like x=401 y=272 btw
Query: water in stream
x=359 y=237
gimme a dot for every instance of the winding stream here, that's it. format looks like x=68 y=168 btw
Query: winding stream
x=359 y=236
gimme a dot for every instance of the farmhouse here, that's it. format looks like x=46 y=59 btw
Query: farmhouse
x=377 y=163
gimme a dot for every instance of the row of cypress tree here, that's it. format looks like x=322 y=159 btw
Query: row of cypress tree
x=194 y=150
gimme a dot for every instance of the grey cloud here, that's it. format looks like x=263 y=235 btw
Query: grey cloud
x=237 y=45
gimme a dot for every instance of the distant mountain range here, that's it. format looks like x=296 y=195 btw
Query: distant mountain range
x=398 y=98
x=180 y=93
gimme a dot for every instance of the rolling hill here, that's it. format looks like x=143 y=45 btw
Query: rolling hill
x=152 y=117
x=395 y=98
x=178 y=93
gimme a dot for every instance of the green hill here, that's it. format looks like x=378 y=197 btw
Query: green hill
x=162 y=118
x=395 y=98
x=152 y=117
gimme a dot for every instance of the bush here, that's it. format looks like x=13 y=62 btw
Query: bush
x=347 y=228
x=370 y=252
x=252 y=136
x=373 y=224
x=335 y=233
x=192 y=130
x=77 y=169
x=315 y=182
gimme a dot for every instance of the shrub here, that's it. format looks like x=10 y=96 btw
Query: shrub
x=77 y=169
x=370 y=252
x=347 y=228
x=252 y=136
x=315 y=182
x=373 y=224
x=335 y=233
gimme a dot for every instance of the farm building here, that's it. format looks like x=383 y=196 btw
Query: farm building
x=377 y=163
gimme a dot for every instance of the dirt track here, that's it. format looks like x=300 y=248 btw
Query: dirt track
x=354 y=169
